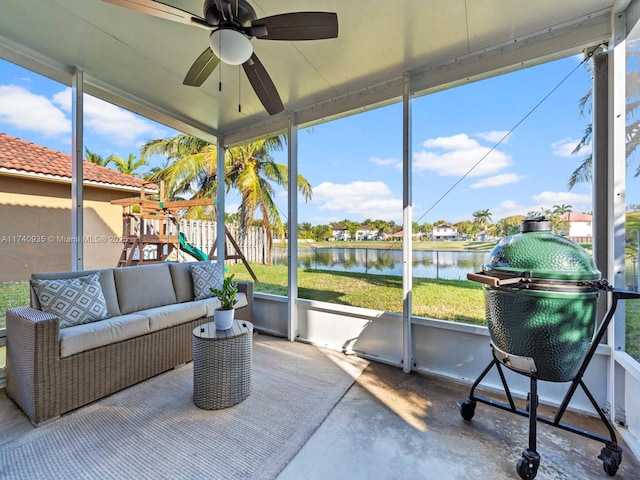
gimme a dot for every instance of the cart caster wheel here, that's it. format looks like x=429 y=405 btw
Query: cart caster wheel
x=467 y=408
x=528 y=464
x=610 y=468
x=611 y=457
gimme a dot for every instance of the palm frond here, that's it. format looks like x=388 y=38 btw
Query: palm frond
x=582 y=174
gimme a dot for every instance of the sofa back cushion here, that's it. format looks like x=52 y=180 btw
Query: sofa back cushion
x=143 y=286
x=75 y=300
x=106 y=281
x=206 y=277
x=183 y=280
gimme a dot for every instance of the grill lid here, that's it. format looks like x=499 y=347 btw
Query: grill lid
x=542 y=253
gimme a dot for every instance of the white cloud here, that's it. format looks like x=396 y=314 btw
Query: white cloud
x=508 y=208
x=565 y=147
x=498 y=180
x=495 y=136
x=118 y=125
x=358 y=200
x=28 y=111
x=543 y=200
x=454 y=142
x=457 y=155
x=549 y=199
x=392 y=162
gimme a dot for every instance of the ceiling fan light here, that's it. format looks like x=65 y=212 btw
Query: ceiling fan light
x=230 y=46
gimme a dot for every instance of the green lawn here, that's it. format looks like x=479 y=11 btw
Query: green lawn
x=632 y=222
x=453 y=300
x=15 y=294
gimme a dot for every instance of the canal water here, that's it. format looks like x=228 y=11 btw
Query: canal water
x=447 y=265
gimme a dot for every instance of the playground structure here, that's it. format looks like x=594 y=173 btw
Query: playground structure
x=151 y=232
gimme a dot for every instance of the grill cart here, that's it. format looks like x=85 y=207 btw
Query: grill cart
x=541 y=293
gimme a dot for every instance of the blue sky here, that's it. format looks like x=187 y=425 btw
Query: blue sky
x=354 y=164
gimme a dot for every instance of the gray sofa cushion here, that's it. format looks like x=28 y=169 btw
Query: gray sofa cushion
x=75 y=300
x=106 y=281
x=170 y=315
x=144 y=286
x=182 y=280
x=97 y=334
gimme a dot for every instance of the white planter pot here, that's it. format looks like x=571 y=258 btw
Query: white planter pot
x=223 y=319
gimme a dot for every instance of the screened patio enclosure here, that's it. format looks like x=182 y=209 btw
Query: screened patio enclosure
x=386 y=52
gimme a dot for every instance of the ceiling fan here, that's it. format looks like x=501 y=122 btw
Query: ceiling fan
x=233 y=23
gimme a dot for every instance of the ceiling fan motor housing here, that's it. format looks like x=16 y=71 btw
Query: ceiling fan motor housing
x=246 y=13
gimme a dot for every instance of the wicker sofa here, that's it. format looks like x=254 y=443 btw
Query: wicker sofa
x=148 y=330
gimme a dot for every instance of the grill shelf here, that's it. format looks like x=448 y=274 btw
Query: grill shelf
x=527 y=465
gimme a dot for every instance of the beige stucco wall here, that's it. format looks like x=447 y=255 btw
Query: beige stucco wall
x=35 y=227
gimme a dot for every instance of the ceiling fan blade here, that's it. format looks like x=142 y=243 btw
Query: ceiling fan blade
x=299 y=26
x=263 y=85
x=162 y=10
x=201 y=68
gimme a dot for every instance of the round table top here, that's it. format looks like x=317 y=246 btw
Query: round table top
x=208 y=331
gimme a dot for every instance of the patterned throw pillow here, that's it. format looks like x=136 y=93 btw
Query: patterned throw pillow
x=74 y=300
x=205 y=276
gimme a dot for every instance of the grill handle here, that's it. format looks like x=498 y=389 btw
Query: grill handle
x=482 y=278
x=493 y=281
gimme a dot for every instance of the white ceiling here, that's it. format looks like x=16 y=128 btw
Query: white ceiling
x=139 y=62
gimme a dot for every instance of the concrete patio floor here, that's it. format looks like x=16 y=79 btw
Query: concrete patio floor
x=392 y=425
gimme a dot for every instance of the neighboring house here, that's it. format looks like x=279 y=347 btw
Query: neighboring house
x=400 y=234
x=340 y=233
x=35 y=210
x=444 y=231
x=365 y=232
x=580 y=227
x=484 y=236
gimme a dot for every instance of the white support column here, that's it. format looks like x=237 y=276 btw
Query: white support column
x=601 y=186
x=407 y=229
x=617 y=170
x=220 y=179
x=77 y=196
x=292 y=245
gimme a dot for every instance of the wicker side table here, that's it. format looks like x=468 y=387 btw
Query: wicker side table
x=222 y=362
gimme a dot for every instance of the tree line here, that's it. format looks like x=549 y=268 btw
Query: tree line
x=469 y=229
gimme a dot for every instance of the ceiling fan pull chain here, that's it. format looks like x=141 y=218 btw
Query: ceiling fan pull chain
x=239 y=97
x=220 y=70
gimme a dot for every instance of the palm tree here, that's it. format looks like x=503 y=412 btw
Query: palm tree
x=249 y=168
x=130 y=165
x=481 y=219
x=96 y=158
x=584 y=172
x=561 y=209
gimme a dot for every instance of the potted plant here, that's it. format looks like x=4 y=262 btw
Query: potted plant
x=223 y=315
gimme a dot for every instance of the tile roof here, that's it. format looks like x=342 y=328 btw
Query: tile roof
x=25 y=157
x=576 y=217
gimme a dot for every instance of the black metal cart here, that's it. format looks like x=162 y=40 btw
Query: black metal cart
x=527 y=466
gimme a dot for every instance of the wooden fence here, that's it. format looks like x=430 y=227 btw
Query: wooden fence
x=202 y=234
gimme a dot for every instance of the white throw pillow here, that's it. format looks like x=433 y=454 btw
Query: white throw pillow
x=206 y=276
x=74 y=300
